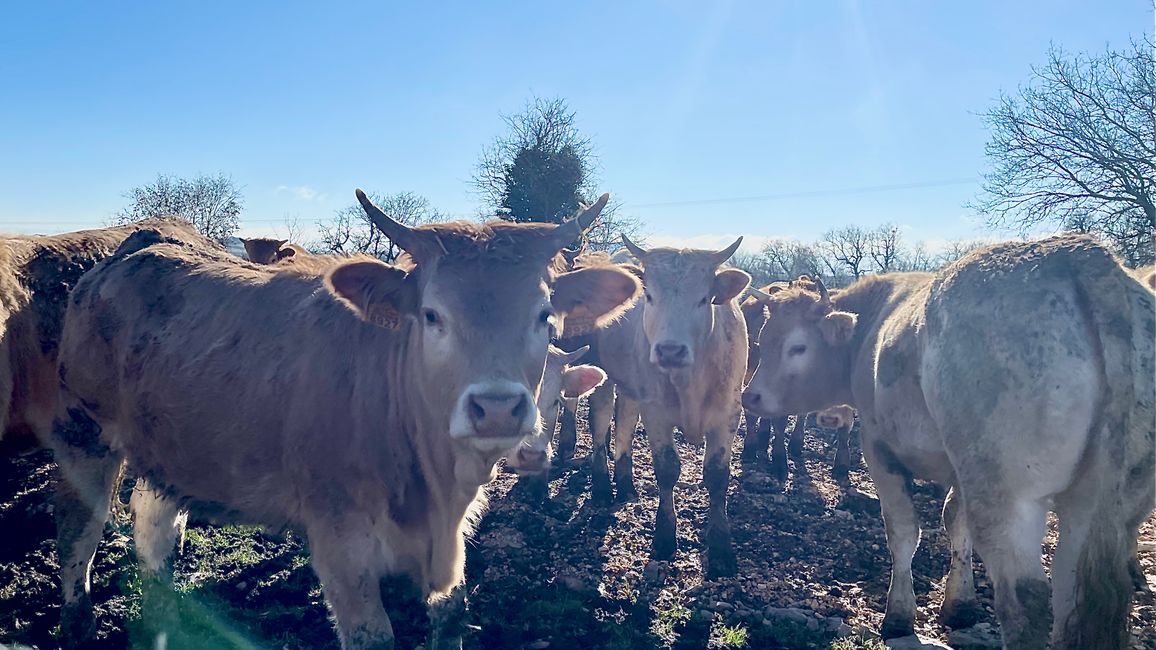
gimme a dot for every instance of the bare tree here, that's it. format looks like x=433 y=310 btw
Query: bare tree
x=351 y=231
x=294 y=232
x=885 y=247
x=849 y=247
x=1078 y=146
x=212 y=204
x=916 y=259
x=606 y=233
x=955 y=249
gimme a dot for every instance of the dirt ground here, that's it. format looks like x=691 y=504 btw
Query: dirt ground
x=562 y=573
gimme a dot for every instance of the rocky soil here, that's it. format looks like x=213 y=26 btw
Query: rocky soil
x=558 y=573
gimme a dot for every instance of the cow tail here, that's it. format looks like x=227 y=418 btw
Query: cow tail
x=1103 y=582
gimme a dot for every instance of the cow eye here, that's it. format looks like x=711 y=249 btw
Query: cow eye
x=648 y=298
x=704 y=301
x=431 y=317
x=796 y=350
x=546 y=317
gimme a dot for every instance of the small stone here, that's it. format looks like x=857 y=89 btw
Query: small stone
x=705 y=615
x=791 y=614
x=723 y=606
x=242 y=585
x=844 y=631
x=832 y=623
x=914 y=642
x=540 y=644
x=975 y=638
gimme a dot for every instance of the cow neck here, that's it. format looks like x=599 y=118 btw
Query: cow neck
x=872 y=300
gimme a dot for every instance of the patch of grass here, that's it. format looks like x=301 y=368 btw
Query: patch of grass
x=668 y=621
x=858 y=642
x=730 y=636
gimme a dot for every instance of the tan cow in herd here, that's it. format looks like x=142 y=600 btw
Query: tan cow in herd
x=264 y=250
x=680 y=355
x=36 y=274
x=561 y=381
x=1021 y=377
x=365 y=411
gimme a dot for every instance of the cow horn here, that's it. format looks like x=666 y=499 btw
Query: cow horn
x=725 y=254
x=574 y=228
x=824 y=297
x=637 y=251
x=406 y=238
x=760 y=295
x=571 y=357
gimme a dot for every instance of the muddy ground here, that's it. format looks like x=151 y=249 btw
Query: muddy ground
x=563 y=573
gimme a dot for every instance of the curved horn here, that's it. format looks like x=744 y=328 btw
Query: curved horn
x=570 y=357
x=725 y=254
x=586 y=216
x=406 y=238
x=637 y=251
x=824 y=297
x=760 y=295
x=575 y=227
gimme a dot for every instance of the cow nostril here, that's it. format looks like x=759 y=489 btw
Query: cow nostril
x=476 y=410
x=521 y=408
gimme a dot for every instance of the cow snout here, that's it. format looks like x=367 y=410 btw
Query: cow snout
x=754 y=401
x=669 y=354
x=498 y=416
x=531 y=461
x=828 y=421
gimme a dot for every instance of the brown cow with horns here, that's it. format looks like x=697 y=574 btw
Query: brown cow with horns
x=366 y=411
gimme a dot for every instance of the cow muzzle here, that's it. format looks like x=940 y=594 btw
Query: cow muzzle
x=757 y=403
x=494 y=414
x=671 y=355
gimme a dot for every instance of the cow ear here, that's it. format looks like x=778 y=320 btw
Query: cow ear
x=373 y=290
x=838 y=327
x=729 y=283
x=283 y=253
x=577 y=381
x=599 y=293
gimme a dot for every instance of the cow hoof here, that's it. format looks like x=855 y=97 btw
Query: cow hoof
x=626 y=492
x=721 y=563
x=663 y=548
x=894 y=627
x=600 y=491
x=77 y=625
x=665 y=540
x=959 y=614
x=779 y=469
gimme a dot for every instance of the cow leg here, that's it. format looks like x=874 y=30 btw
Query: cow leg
x=757 y=438
x=842 y=469
x=893 y=484
x=88 y=473
x=1092 y=583
x=795 y=449
x=667 y=469
x=716 y=473
x=158 y=529
x=601 y=409
x=448 y=620
x=352 y=589
x=625 y=422
x=567 y=432
x=778 y=448
x=959 y=607
x=1008 y=533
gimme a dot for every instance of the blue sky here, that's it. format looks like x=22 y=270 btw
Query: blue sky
x=687 y=103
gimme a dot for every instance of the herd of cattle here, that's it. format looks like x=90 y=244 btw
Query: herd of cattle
x=366 y=405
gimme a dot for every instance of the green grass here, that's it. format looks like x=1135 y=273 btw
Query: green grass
x=730 y=636
x=858 y=643
x=667 y=622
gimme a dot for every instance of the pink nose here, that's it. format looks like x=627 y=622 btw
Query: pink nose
x=531 y=461
x=498 y=416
